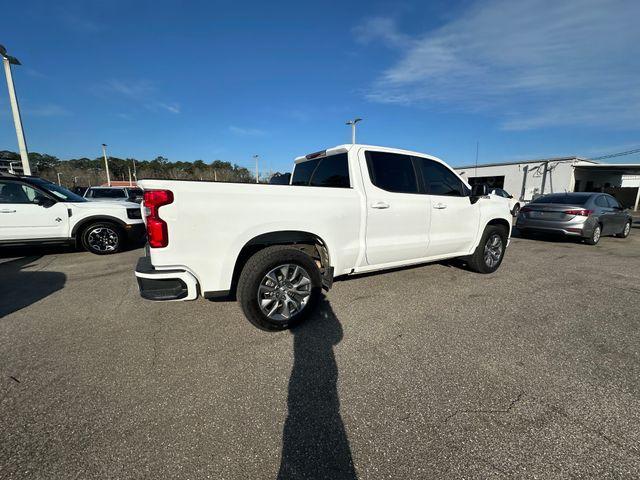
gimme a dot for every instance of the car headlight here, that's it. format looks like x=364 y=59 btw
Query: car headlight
x=134 y=213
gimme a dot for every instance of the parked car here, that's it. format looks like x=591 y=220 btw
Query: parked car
x=514 y=204
x=584 y=215
x=36 y=211
x=348 y=210
x=111 y=194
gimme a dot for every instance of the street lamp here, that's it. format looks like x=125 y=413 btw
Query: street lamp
x=106 y=162
x=353 y=128
x=8 y=60
x=257 y=177
x=59 y=183
x=11 y=169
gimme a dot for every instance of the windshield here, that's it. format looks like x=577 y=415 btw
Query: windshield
x=107 y=193
x=565 y=199
x=57 y=191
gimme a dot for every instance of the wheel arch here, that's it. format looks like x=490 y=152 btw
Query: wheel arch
x=500 y=222
x=82 y=224
x=310 y=243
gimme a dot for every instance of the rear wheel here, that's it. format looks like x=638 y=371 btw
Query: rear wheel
x=595 y=236
x=490 y=251
x=625 y=231
x=516 y=210
x=279 y=287
x=103 y=238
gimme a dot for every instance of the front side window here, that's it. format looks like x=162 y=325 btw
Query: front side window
x=331 y=171
x=439 y=180
x=57 y=191
x=613 y=203
x=392 y=172
x=11 y=192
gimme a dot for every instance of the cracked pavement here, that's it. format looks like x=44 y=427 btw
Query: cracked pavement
x=427 y=372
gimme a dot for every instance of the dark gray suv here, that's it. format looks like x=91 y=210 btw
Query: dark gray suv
x=585 y=215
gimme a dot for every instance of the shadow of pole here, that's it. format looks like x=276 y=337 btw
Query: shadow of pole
x=314 y=443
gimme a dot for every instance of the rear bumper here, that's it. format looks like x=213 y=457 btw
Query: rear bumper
x=165 y=285
x=577 y=228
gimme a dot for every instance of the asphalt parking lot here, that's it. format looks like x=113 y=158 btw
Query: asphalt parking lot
x=427 y=372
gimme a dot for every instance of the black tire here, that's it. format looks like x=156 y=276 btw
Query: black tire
x=477 y=262
x=595 y=235
x=254 y=272
x=516 y=210
x=102 y=238
x=626 y=230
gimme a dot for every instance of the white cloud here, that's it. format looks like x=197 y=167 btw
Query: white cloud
x=47 y=110
x=534 y=63
x=141 y=92
x=247 y=132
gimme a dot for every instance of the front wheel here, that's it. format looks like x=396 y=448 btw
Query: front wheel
x=279 y=287
x=102 y=238
x=490 y=251
x=625 y=231
x=516 y=210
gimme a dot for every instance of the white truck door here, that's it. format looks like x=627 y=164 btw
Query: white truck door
x=26 y=214
x=454 y=219
x=397 y=214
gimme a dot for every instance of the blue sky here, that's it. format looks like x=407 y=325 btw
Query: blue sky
x=226 y=80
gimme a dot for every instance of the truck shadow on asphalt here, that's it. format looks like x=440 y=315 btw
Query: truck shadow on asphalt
x=19 y=288
x=314 y=443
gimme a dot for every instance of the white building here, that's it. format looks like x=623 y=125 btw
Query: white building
x=528 y=179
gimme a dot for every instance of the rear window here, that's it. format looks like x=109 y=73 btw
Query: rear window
x=331 y=171
x=563 y=198
x=107 y=193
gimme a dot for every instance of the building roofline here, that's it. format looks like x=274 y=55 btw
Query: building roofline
x=539 y=160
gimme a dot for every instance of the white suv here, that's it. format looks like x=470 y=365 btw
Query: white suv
x=36 y=211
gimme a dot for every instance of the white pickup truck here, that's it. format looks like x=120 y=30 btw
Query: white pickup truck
x=348 y=210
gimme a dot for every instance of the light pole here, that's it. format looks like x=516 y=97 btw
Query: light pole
x=353 y=128
x=8 y=60
x=11 y=169
x=58 y=173
x=106 y=162
x=135 y=174
x=257 y=177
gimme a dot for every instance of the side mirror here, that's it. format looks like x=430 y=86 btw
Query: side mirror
x=479 y=190
x=43 y=201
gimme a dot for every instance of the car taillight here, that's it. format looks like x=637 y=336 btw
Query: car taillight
x=582 y=212
x=157 y=231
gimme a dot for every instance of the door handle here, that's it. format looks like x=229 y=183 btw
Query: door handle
x=6 y=210
x=440 y=206
x=380 y=205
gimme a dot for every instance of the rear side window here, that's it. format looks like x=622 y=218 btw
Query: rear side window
x=392 y=172
x=331 y=171
x=601 y=201
x=439 y=180
x=107 y=193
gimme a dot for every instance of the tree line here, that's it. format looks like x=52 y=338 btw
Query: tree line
x=87 y=172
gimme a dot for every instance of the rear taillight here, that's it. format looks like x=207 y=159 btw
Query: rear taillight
x=157 y=231
x=582 y=212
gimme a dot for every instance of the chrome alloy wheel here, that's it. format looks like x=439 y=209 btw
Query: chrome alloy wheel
x=627 y=229
x=596 y=234
x=284 y=292
x=103 y=239
x=493 y=250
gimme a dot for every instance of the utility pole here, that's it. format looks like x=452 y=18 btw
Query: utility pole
x=257 y=177
x=353 y=128
x=8 y=60
x=135 y=174
x=59 y=183
x=106 y=162
x=130 y=182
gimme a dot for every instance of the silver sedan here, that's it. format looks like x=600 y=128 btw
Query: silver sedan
x=584 y=215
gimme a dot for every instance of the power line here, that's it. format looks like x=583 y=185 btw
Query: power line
x=618 y=154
